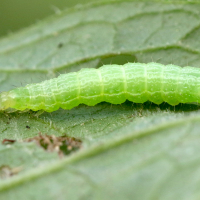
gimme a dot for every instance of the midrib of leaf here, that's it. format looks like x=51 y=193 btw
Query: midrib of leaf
x=92 y=151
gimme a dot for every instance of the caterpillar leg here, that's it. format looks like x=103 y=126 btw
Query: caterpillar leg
x=194 y=103
x=23 y=111
x=11 y=110
x=38 y=113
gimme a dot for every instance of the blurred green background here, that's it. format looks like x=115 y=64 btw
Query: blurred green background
x=17 y=14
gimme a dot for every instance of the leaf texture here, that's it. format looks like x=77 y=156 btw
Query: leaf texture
x=145 y=151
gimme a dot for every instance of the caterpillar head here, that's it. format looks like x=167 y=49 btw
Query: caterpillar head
x=6 y=100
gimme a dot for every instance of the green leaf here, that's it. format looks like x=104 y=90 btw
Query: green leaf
x=145 y=151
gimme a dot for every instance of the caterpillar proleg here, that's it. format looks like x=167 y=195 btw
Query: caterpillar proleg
x=136 y=82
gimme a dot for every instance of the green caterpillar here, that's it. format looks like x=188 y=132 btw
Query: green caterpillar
x=136 y=82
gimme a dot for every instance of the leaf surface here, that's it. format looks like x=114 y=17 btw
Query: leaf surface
x=145 y=151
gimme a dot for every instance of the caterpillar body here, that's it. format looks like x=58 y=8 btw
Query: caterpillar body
x=136 y=82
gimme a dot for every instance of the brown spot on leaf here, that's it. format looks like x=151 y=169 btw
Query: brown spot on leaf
x=60 y=45
x=28 y=127
x=8 y=141
x=6 y=171
x=63 y=145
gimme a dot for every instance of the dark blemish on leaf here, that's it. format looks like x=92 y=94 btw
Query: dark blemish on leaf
x=28 y=127
x=8 y=141
x=63 y=145
x=7 y=122
x=60 y=45
x=6 y=171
